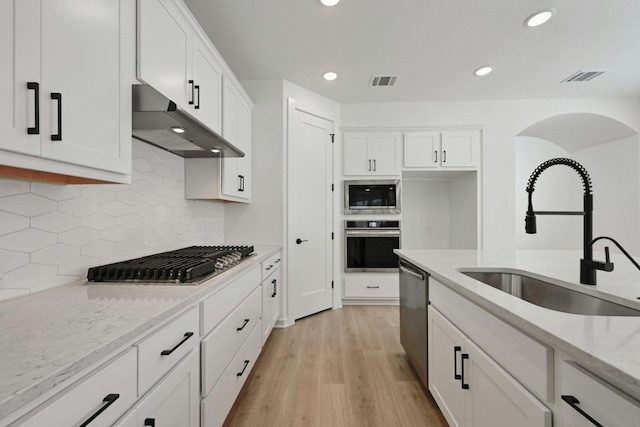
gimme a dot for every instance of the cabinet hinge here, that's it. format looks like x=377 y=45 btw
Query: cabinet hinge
x=332 y=284
x=333 y=135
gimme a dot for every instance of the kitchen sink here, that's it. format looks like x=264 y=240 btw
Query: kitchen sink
x=549 y=295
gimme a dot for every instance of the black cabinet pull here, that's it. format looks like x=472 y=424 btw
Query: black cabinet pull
x=108 y=400
x=464 y=357
x=444 y=156
x=35 y=130
x=436 y=160
x=150 y=422
x=374 y=165
x=574 y=402
x=187 y=335
x=274 y=282
x=197 y=107
x=456 y=375
x=193 y=95
x=58 y=97
x=246 y=363
x=369 y=165
x=243 y=325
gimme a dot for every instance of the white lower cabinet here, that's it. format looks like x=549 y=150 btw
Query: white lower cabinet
x=271 y=294
x=216 y=406
x=587 y=401
x=470 y=388
x=371 y=285
x=175 y=401
x=99 y=399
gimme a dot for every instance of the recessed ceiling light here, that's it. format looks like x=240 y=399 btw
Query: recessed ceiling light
x=329 y=2
x=483 y=71
x=177 y=129
x=539 y=18
x=330 y=75
x=215 y=150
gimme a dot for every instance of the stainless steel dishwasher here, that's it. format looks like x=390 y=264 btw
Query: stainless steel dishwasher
x=414 y=299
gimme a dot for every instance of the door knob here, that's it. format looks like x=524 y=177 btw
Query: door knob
x=299 y=240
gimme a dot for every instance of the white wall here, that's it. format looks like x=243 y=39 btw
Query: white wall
x=426 y=214
x=464 y=211
x=51 y=234
x=501 y=121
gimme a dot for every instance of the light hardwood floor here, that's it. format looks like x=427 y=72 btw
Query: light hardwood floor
x=337 y=368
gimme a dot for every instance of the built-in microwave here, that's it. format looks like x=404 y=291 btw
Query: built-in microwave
x=381 y=196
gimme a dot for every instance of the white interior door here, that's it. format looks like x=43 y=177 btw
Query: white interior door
x=310 y=214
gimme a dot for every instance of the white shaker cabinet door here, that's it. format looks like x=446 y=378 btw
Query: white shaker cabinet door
x=421 y=150
x=82 y=81
x=20 y=82
x=460 y=149
x=207 y=77
x=385 y=154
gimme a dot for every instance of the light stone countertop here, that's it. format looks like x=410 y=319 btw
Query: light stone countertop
x=50 y=336
x=606 y=345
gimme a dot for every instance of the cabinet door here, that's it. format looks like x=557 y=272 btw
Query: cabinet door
x=231 y=180
x=460 y=148
x=20 y=52
x=164 y=50
x=495 y=398
x=446 y=344
x=81 y=43
x=207 y=77
x=421 y=150
x=244 y=143
x=356 y=154
x=385 y=154
x=176 y=399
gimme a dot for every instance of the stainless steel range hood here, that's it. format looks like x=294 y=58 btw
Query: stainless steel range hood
x=157 y=120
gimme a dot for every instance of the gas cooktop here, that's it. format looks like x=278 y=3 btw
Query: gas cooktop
x=185 y=265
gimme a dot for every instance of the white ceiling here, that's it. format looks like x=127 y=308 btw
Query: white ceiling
x=433 y=46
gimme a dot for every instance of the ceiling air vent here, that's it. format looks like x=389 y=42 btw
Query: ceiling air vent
x=583 y=76
x=379 y=81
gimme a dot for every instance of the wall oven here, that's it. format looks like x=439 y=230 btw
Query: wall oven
x=372 y=196
x=369 y=245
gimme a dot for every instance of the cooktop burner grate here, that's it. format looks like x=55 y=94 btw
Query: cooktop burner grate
x=179 y=266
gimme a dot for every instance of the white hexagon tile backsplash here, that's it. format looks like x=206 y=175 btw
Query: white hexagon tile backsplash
x=51 y=234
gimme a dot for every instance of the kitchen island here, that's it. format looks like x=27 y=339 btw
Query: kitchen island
x=607 y=346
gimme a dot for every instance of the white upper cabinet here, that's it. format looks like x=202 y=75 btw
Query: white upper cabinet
x=175 y=61
x=67 y=98
x=371 y=153
x=236 y=128
x=424 y=150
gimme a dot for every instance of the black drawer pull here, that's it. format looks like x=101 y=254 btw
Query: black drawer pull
x=456 y=375
x=574 y=402
x=58 y=97
x=243 y=325
x=269 y=268
x=187 y=335
x=35 y=130
x=197 y=106
x=464 y=357
x=373 y=286
x=108 y=400
x=150 y=422
x=274 y=282
x=246 y=363
x=193 y=95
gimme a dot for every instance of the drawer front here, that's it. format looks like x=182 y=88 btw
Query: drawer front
x=372 y=286
x=217 y=405
x=162 y=350
x=104 y=395
x=528 y=360
x=271 y=264
x=599 y=400
x=219 y=347
x=219 y=305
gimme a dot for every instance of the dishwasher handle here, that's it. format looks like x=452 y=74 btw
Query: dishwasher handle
x=411 y=272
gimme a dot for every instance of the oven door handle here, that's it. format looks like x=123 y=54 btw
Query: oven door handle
x=377 y=233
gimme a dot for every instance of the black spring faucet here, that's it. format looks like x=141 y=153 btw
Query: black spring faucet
x=588 y=266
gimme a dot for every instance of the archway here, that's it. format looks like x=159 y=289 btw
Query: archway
x=609 y=150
